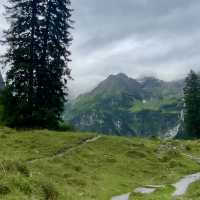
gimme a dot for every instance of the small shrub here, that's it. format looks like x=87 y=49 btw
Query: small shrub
x=13 y=166
x=173 y=163
x=78 y=168
x=136 y=154
x=67 y=175
x=65 y=127
x=188 y=148
x=165 y=158
x=76 y=182
x=3 y=136
x=154 y=137
x=8 y=166
x=49 y=191
x=24 y=186
x=4 y=190
x=111 y=160
x=23 y=169
x=174 y=153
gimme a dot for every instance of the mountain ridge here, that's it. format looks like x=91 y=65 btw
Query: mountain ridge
x=126 y=106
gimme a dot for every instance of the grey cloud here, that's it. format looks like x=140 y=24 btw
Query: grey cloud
x=137 y=37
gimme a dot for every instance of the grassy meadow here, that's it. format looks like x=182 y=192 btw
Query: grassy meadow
x=47 y=165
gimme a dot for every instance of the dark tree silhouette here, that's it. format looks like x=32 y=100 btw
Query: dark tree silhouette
x=192 y=105
x=38 y=56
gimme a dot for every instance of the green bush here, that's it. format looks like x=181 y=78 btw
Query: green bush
x=49 y=191
x=65 y=127
x=23 y=185
x=14 y=166
x=4 y=190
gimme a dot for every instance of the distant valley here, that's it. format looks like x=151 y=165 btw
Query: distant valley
x=125 y=106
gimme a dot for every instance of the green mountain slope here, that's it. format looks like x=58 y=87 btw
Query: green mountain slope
x=43 y=165
x=125 y=106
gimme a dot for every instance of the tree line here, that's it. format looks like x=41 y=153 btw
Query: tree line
x=38 y=57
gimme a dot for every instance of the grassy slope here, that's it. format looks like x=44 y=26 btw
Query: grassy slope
x=96 y=170
x=154 y=105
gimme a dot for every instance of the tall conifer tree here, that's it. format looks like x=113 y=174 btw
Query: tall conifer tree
x=38 y=56
x=192 y=105
x=20 y=57
x=53 y=71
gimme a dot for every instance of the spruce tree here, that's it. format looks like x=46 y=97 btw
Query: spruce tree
x=38 y=56
x=20 y=58
x=53 y=70
x=192 y=105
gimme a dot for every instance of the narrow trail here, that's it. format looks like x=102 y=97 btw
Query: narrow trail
x=122 y=197
x=141 y=190
x=180 y=187
x=66 y=150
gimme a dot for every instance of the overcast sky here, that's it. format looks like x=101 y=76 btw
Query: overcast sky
x=137 y=37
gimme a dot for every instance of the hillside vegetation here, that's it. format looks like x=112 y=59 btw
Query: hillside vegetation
x=125 y=106
x=43 y=165
x=164 y=105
